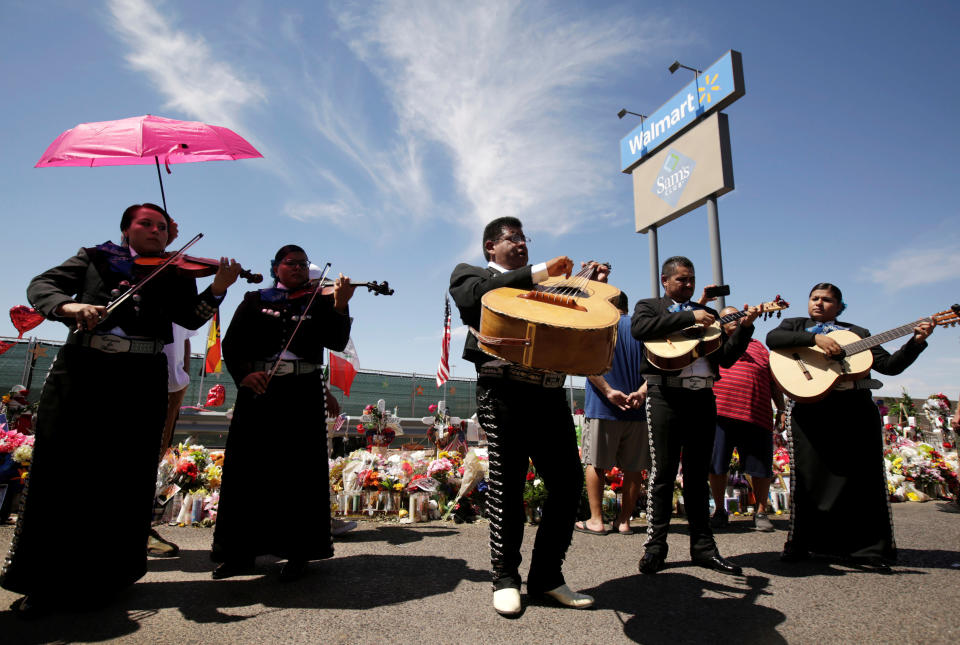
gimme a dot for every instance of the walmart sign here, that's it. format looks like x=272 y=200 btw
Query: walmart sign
x=720 y=85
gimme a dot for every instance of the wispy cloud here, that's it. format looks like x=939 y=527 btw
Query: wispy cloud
x=501 y=86
x=181 y=66
x=916 y=267
x=336 y=213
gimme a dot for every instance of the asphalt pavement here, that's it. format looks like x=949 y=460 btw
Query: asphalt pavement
x=392 y=583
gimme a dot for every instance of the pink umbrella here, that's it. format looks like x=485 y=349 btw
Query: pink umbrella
x=142 y=139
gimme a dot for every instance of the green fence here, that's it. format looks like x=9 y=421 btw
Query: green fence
x=410 y=394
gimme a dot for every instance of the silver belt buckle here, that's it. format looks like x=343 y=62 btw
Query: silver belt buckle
x=694 y=383
x=283 y=368
x=110 y=344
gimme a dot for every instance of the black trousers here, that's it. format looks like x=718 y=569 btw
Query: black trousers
x=682 y=424
x=291 y=411
x=528 y=422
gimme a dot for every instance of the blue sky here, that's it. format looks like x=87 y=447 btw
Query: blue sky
x=392 y=131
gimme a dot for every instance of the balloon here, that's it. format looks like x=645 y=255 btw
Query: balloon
x=216 y=396
x=24 y=318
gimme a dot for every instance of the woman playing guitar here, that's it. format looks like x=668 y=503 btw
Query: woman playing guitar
x=838 y=494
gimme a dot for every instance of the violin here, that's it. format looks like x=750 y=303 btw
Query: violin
x=194 y=267
x=378 y=288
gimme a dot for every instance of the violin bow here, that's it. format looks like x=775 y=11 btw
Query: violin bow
x=276 y=363
x=113 y=304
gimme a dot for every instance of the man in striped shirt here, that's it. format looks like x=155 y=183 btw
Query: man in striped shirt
x=745 y=421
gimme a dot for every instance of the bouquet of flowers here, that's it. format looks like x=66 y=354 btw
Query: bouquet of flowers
x=781 y=461
x=534 y=491
x=473 y=472
x=16 y=451
x=915 y=470
x=614 y=479
x=189 y=469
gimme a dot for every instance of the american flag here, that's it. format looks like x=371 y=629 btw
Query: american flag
x=443 y=369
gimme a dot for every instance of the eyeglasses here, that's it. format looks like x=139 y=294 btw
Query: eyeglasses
x=303 y=264
x=516 y=238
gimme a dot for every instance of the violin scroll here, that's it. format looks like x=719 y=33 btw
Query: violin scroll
x=378 y=288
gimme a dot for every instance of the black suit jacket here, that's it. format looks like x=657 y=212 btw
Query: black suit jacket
x=652 y=320
x=93 y=273
x=263 y=322
x=468 y=284
x=792 y=332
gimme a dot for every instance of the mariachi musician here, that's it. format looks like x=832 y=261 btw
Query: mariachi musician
x=108 y=385
x=277 y=367
x=838 y=493
x=526 y=417
x=682 y=415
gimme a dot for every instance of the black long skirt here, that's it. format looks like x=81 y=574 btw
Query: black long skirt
x=83 y=524
x=275 y=496
x=839 y=500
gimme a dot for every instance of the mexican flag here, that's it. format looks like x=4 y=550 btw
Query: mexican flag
x=343 y=367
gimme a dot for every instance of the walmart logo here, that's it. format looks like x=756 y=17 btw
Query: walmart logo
x=709 y=85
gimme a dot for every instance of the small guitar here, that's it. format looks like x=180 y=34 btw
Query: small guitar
x=807 y=374
x=681 y=348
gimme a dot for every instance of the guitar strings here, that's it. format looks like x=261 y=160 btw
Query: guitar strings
x=570 y=288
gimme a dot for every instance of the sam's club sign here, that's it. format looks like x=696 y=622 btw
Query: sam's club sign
x=720 y=85
x=673 y=177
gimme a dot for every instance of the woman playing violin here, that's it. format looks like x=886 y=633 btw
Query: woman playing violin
x=838 y=493
x=280 y=396
x=113 y=364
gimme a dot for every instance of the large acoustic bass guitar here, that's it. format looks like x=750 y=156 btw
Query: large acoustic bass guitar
x=562 y=325
x=682 y=347
x=807 y=374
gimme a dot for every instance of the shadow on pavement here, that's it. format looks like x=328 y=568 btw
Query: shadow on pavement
x=395 y=534
x=910 y=561
x=948 y=507
x=350 y=583
x=673 y=607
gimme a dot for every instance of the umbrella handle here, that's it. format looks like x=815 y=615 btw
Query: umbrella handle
x=166 y=164
x=166 y=158
x=156 y=160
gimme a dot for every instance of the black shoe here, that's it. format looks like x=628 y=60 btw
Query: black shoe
x=717 y=563
x=650 y=563
x=233 y=568
x=294 y=569
x=720 y=519
x=28 y=608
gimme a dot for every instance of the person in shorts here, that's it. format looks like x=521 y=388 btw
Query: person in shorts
x=745 y=422
x=615 y=433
